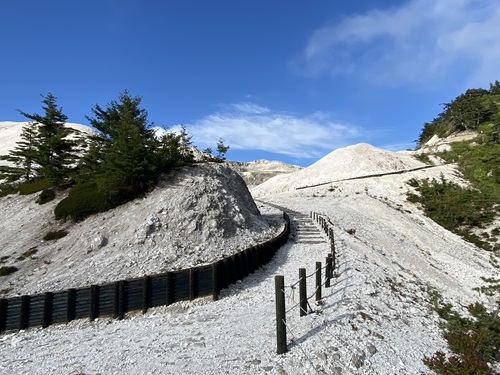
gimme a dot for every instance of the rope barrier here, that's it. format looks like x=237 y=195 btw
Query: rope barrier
x=295 y=340
x=305 y=302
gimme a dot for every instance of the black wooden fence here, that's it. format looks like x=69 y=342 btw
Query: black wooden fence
x=117 y=298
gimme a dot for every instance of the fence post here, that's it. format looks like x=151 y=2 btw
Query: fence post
x=121 y=300
x=280 y=314
x=3 y=314
x=191 y=284
x=330 y=266
x=70 y=305
x=94 y=302
x=116 y=301
x=170 y=289
x=146 y=293
x=47 y=309
x=302 y=291
x=334 y=259
x=318 y=281
x=24 y=320
x=215 y=283
x=327 y=273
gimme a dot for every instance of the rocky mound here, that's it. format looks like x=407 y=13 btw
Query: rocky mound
x=342 y=164
x=256 y=172
x=195 y=216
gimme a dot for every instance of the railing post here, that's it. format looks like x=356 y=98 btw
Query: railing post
x=146 y=294
x=25 y=312
x=327 y=272
x=170 y=298
x=215 y=283
x=121 y=299
x=302 y=291
x=280 y=314
x=94 y=302
x=70 y=305
x=116 y=302
x=47 y=309
x=332 y=265
x=191 y=284
x=334 y=259
x=318 y=281
x=3 y=314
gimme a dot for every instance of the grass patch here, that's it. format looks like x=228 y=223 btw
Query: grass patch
x=34 y=187
x=424 y=158
x=28 y=253
x=7 y=270
x=55 y=235
x=3 y=259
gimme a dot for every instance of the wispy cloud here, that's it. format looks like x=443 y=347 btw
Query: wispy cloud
x=420 y=41
x=247 y=126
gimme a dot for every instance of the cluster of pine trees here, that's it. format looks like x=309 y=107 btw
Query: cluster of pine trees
x=467 y=112
x=465 y=209
x=119 y=163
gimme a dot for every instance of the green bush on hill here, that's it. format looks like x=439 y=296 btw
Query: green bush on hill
x=84 y=199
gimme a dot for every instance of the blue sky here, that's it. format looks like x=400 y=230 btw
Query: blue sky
x=276 y=79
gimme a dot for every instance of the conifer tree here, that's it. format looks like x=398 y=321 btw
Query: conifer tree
x=23 y=157
x=121 y=157
x=54 y=151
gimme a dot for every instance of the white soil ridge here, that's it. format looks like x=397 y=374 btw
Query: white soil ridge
x=370 y=176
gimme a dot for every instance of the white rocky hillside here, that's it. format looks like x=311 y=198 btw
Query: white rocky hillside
x=194 y=216
x=374 y=319
x=404 y=241
x=256 y=172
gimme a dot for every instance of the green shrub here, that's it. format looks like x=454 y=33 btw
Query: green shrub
x=6 y=189
x=55 y=235
x=474 y=341
x=45 y=196
x=28 y=253
x=83 y=200
x=7 y=270
x=34 y=187
x=456 y=208
x=424 y=158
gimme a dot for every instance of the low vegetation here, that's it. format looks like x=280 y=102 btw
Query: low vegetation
x=463 y=210
x=473 y=340
x=7 y=270
x=456 y=208
x=55 y=235
x=28 y=253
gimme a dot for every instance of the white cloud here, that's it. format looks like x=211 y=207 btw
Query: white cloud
x=421 y=41
x=247 y=126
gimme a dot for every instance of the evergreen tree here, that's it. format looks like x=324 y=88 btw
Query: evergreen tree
x=121 y=158
x=54 y=151
x=222 y=149
x=23 y=156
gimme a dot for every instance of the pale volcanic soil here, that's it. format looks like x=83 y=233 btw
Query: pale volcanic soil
x=374 y=319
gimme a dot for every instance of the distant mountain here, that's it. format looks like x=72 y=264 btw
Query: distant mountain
x=256 y=172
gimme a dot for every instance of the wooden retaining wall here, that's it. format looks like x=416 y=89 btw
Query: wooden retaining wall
x=117 y=298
